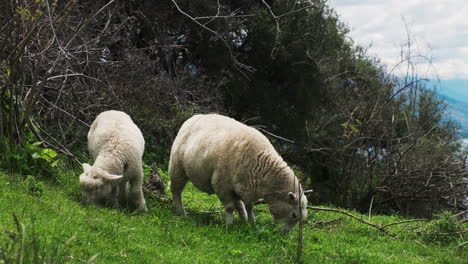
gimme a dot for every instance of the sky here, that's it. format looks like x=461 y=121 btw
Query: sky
x=438 y=30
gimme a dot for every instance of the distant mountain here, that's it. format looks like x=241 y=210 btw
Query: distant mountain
x=458 y=111
x=455 y=93
x=457 y=88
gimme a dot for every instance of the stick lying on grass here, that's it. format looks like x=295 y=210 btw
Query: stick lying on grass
x=382 y=227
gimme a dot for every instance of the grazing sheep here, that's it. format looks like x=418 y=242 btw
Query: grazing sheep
x=116 y=146
x=238 y=163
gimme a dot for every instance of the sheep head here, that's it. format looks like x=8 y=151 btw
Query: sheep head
x=96 y=184
x=285 y=210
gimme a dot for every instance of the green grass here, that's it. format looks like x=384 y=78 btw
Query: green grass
x=59 y=227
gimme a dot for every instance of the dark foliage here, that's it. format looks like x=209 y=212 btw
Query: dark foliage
x=359 y=134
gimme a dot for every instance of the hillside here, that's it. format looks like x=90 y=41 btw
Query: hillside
x=458 y=111
x=61 y=228
x=455 y=93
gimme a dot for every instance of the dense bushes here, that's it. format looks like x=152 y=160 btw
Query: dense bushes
x=359 y=133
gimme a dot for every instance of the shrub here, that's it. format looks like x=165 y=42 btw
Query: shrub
x=30 y=158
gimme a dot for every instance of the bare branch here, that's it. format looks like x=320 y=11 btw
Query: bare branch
x=74 y=117
x=405 y=222
x=273 y=135
x=237 y=64
x=86 y=22
x=295 y=11
x=278 y=30
x=380 y=228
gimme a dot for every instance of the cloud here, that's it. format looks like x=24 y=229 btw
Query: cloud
x=438 y=30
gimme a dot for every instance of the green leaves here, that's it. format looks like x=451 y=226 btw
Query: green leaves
x=48 y=155
x=30 y=159
x=350 y=129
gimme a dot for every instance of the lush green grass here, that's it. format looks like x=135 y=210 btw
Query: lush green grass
x=64 y=229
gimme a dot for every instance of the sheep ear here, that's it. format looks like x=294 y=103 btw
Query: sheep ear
x=111 y=177
x=292 y=196
x=86 y=167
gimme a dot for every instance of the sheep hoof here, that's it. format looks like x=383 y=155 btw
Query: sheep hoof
x=142 y=210
x=180 y=212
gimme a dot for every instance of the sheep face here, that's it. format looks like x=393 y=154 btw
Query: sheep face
x=96 y=184
x=287 y=211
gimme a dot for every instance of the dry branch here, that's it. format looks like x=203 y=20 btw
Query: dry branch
x=405 y=222
x=278 y=30
x=378 y=227
x=450 y=233
x=237 y=64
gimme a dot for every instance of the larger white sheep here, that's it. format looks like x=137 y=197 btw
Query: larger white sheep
x=221 y=155
x=116 y=147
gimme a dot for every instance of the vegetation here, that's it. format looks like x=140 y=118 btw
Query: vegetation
x=55 y=227
x=358 y=134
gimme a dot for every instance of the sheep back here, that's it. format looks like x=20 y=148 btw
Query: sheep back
x=218 y=153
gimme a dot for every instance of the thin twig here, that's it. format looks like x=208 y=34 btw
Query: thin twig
x=450 y=233
x=322 y=223
x=217 y=14
x=352 y=216
x=227 y=16
x=62 y=148
x=406 y=221
x=237 y=64
x=72 y=116
x=461 y=244
x=295 y=11
x=278 y=30
x=370 y=208
x=460 y=213
x=301 y=226
x=82 y=26
x=273 y=135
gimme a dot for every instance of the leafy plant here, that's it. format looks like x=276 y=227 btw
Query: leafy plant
x=30 y=158
x=48 y=155
x=444 y=229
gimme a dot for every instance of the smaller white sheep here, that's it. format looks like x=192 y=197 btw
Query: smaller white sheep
x=116 y=147
x=238 y=163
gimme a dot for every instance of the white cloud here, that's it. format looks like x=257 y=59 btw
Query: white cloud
x=438 y=29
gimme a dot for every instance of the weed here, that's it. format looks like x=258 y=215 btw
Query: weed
x=24 y=246
x=444 y=229
x=30 y=159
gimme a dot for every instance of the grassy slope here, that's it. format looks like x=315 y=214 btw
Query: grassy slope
x=161 y=237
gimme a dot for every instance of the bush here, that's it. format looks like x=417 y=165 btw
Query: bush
x=30 y=158
x=444 y=229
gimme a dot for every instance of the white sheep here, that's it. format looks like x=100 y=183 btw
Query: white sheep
x=221 y=155
x=116 y=147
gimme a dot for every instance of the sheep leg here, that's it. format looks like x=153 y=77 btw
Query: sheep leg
x=229 y=218
x=250 y=213
x=112 y=200
x=229 y=203
x=178 y=181
x=241 y=210
x=123 y=194
x=136 y=191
